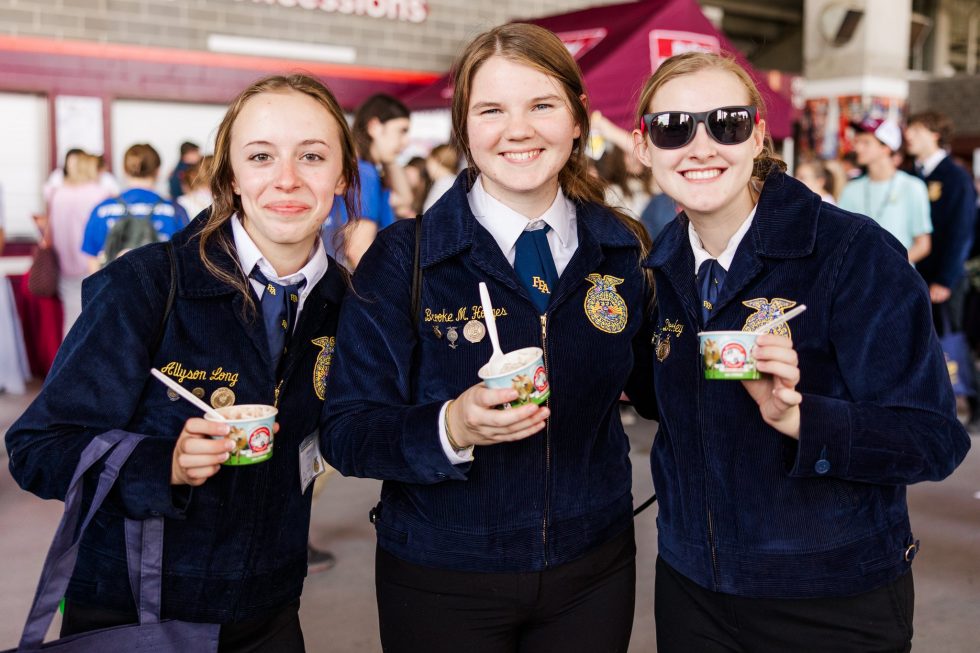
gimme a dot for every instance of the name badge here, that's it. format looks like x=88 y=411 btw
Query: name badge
x=311 y=463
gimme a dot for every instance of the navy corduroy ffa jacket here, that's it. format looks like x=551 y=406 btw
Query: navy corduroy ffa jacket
x=953 y=203
x=745 y=510
x=520 y=506
x=234 y=547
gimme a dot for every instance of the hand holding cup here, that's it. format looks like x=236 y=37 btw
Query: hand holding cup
x=475 y=419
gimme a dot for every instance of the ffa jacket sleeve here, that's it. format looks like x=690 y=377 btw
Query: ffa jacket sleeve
x=370 y=427
x=895 y=420
x=94 y=386
x=960 y=201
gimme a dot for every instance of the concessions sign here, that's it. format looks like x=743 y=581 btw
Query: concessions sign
x=666 y=43
x=581 y=41
x=411 y=11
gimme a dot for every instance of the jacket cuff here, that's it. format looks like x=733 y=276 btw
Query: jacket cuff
x=144 y=482
x=422 y=446
x=824 y=447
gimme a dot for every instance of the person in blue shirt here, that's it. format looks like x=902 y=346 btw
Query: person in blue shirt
x=141 y=165
x=253 y=321
x=499 y=530
x=782 y=523
x=381 y=132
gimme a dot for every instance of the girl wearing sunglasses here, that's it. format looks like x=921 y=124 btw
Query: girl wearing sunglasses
x=782 y=521
x=499 y=530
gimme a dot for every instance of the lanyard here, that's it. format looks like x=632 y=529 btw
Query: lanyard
x=884 y=202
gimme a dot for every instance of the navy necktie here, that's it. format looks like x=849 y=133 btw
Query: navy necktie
x=710 y=278
x=535 y=266
x=279 y=306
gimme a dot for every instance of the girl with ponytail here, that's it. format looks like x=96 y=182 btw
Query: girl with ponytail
x=782 y=520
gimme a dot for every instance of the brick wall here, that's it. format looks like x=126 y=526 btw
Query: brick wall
x=958 y=97
x=185 y=24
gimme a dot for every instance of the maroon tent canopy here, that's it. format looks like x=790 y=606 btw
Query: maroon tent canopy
x=619 y=46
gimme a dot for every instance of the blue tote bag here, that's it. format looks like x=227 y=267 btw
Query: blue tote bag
x=959 y=359
x=144 y=555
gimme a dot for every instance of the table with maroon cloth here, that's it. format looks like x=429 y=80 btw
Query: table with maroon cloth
x=40 y=317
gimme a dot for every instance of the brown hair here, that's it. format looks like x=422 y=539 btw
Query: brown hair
x=694 y=62
x=226 y=203
x=611 y=168
x=446 y=156
x=536 y=47
x=196 y=174
x=937 y=123
x=822 y=172
x=141 y=161
x=380 y=106
x=82 y=168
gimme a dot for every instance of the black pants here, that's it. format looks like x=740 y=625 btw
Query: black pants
x=692 y=619
x=583 y=606
x=279 y=632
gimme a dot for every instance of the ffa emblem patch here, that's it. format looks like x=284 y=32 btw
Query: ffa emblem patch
x=322 y=367
x=604 y=307
x=935 y=190
x=766 y=311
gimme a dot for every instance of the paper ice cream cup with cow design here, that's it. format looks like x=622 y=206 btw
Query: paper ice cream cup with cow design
x=728 y=355
x=522 y=370
x=251 y=431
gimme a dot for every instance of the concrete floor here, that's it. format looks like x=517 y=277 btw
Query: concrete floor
x=338 y=611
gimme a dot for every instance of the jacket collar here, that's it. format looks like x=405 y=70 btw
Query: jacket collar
x=449 y=227
x=784 y=227
x=194 y=280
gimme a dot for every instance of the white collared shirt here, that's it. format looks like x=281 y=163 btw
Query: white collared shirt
x=726 y=257
x=932 y=161
x=249 y=256
x=506 y=225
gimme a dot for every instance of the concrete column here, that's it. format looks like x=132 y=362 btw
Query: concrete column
x=941 y=41
x=848 y=79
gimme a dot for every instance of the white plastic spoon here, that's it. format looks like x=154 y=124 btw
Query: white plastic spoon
x=491 y=322
x=176 y=387
x=788 y=315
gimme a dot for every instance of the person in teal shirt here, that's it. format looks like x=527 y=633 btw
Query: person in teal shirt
x=894 y=199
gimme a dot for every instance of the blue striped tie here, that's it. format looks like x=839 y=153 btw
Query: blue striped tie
x=279 y=306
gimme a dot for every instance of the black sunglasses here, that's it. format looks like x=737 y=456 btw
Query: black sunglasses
x=670 y=130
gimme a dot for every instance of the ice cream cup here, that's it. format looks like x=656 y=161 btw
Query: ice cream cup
x=728 y=354
x=522 y=370
x=251 y=431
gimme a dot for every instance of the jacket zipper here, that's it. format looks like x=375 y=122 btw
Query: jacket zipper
x=547 y=444
x=714 y=553
x=707 y=499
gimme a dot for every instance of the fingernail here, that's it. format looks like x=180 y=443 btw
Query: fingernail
x=227 y=456
x=229 y=445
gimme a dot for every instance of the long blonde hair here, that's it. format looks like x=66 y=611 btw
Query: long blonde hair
x=694 y=62
x=226 y=203
x=536 y=47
